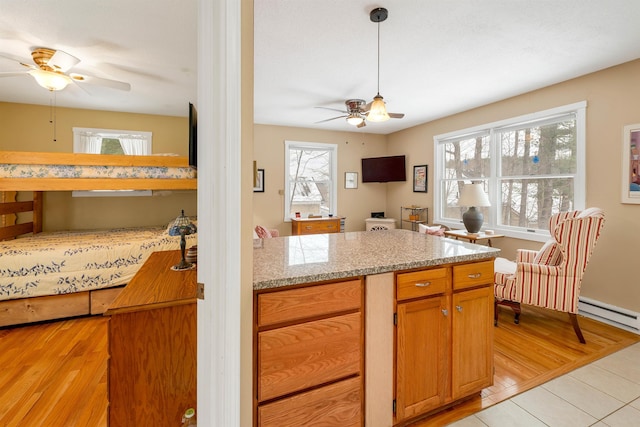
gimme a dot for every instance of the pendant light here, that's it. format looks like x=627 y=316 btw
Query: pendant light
x=378 y=111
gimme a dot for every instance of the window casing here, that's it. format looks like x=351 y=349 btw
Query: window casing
x=310 y=179
x=530 y=166
x=110 y=141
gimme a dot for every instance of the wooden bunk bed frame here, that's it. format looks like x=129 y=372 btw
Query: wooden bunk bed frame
x=41 y=308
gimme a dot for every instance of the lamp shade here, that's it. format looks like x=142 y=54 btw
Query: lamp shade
x=473 y=195
x=378 y=111
x=50 y=79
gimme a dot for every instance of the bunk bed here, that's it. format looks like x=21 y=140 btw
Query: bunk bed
x=52 y=275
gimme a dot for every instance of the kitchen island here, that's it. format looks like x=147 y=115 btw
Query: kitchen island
x=369 y=328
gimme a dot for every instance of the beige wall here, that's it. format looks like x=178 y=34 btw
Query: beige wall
x=354 y=204
x=27 y=128
x=611 y=97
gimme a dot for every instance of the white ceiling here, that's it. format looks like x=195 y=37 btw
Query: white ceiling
x=437 y=57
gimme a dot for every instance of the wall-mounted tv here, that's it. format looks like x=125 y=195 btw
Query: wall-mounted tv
x=384 y=169
x=193 y=136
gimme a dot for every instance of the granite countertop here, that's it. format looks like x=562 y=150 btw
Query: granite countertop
x=292 y=260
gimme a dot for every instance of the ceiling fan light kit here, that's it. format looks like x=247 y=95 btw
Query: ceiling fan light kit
x=50 y=79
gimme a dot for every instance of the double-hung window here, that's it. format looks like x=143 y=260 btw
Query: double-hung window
x=531 y=167
x=110 y=141
x=310 y=179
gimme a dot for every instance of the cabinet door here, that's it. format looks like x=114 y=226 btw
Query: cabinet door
x=422 y=355
x=472 y=341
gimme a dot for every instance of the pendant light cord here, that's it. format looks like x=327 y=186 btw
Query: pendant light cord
x=378 y=59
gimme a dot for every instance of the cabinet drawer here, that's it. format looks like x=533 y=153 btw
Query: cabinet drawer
x=315 y=226
x=422 y=283
x=336 y=404
x=472 y=274
x=301 y=303
x=298 y=357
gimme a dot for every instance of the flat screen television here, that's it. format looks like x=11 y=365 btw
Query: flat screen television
x=193 y=136
x=384 y=169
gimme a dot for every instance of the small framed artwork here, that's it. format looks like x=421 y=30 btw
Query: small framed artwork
x=631 y=164
x=259 y=188
x=351 y=180
x=420 y=178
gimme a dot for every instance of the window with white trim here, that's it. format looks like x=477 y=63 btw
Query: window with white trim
x=311 y=171
x=111 y=141
x=531 y=167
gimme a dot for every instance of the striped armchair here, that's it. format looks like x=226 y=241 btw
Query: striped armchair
x=551 y=277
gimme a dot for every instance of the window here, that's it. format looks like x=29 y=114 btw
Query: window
x=531 y=167
x=310 y=179
x=109 y=141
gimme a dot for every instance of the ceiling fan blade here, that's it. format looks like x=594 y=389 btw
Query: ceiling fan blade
x=365 y=108
x=12 y=73
x=333 y=118
x=332 y=109
x=396 y=115
x=62 y=61
x=113 y=84
x=363 y=124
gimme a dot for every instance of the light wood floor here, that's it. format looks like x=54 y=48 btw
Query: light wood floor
x=54 y=374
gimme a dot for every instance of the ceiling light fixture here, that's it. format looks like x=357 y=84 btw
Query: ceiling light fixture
x=378 y=111
x=50 y=79
x=355 y=119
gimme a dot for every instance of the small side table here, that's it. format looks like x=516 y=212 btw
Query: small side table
x=472 y=237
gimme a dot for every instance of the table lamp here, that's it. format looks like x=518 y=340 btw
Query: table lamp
x=182 y=227
x=472 y=196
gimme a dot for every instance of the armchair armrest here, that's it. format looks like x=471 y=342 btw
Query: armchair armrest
x=525 y=255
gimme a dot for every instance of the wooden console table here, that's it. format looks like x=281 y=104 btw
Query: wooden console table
x=152 y=345
x=315 y=225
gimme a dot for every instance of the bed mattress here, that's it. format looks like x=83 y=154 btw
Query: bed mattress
x=75 y=171
x=63 y=262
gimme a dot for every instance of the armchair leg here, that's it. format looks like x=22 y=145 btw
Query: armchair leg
x=576 y=327
x=515 y=306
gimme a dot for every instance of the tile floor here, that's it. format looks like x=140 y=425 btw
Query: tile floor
x=604 y=393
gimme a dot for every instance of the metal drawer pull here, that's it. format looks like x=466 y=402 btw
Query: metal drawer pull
x=474 y=276
x=308 y=227
x=423 y=285
x=445 y=312
x=459 y=308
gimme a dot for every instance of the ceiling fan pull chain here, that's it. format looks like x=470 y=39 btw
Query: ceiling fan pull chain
x=52 y=113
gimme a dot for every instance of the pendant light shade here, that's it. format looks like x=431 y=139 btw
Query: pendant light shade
x=378 y=110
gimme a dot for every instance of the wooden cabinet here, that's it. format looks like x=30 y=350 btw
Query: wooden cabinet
x=444 y=337
x=314 y=225
x=152 y=346
x=472 y=337
x=309 y=355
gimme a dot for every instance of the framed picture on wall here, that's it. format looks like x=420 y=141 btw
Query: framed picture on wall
x=420 y=178
x=259 y=188
x=631 y=164
x=351 y=180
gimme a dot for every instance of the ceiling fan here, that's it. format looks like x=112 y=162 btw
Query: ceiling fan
x=374 y=111
x=51 y=67
x=356 y=112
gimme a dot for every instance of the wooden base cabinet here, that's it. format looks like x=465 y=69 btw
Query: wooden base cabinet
x=309 y=355
x=152 y=346
x=444 y=337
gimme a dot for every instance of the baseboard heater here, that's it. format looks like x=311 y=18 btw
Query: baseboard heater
x=610 y=314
